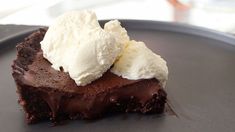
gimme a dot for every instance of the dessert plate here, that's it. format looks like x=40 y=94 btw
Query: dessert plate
x=201 y=86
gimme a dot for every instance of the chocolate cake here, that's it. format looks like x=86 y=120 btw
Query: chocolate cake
x=48 y=94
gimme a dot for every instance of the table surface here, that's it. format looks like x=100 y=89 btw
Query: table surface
x=214 y=14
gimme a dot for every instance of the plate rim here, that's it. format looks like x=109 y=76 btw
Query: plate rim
x=179 y=28
x=146 y=25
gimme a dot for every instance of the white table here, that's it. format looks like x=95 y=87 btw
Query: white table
x=34 y=12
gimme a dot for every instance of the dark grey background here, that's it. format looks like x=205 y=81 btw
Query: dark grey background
x=201 y=86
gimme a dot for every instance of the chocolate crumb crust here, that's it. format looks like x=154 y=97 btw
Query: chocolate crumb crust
x=48 y=94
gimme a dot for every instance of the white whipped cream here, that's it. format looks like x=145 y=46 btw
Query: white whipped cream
x=77 y=43
x=120 y=34
x=139 y=62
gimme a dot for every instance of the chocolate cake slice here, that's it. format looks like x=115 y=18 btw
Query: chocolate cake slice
x=48 y=94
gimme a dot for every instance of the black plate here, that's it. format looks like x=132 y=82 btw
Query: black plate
x=201 y=86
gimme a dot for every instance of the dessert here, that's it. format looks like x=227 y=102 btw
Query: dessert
x=60 y=75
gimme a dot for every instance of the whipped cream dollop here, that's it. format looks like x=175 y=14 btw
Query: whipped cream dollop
x=139 y=62
x=120 y=34
x=77 y=43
